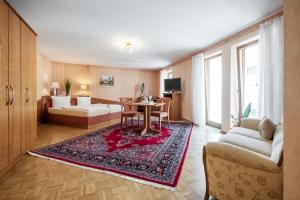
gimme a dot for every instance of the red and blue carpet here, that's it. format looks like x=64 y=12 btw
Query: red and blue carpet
x=152 y=159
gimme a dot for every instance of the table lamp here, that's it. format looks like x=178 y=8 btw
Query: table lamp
x=55 y=87
x=83 y=88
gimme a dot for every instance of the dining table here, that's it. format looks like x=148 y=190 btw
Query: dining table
x=147 y=128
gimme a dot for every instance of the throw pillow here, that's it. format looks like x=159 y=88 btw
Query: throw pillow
x=83 y=101
x=266 y=128
x=61 y=101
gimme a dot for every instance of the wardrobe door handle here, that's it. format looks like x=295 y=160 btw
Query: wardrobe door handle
x=27 y=94
x=7 y=95
x=11 y=96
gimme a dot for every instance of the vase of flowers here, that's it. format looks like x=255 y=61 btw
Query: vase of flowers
x=142 y=89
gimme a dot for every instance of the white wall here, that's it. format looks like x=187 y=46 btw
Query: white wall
x=44 y=75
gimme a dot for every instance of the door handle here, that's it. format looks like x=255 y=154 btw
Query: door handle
x=27 y=94
x=7 y=95
x=12 y=96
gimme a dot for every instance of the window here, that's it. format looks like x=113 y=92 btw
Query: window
x=169 y=74
x=248 y=71
x=164 y=74
x=213 y=82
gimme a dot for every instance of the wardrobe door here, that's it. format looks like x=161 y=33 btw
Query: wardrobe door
x=33 y=86
x=28 y=87
x=14 y=86
x=25 y=94
x=3 y=85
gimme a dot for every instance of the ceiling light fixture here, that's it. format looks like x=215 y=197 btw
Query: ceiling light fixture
x=130 y=46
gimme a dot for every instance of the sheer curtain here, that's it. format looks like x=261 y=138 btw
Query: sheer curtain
x=162 y=83
x=234 y=93
x=198 y=90
x=271 y=69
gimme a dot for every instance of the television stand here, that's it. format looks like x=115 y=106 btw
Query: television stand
x=175 y=108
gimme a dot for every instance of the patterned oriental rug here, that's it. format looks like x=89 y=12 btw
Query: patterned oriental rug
x=152 y=159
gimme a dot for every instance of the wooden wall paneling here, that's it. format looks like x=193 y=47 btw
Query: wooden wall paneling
x=15 y=84
x=76 y=73
x=127 y=82
x=3 y=83
x=183 y=70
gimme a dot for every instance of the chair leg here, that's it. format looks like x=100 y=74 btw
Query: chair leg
x=121 y=121
x=139 y=120
x=206 y=197
x=132 y=121
x=159 y=123
x=169 y=120
x=126 y=121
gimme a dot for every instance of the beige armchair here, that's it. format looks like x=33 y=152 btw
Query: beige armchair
x=235 y=170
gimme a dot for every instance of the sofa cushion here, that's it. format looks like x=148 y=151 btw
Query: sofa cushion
x=266 y=128
x=277 y=152
x=277 y=144
x=246 y=132
x=250 y=123
x=256 y=145
x=278 y=136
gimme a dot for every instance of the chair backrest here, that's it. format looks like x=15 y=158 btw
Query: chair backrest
x=125 y=103
x=166 y=106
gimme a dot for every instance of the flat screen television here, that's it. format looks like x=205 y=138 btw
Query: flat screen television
x=173 y=84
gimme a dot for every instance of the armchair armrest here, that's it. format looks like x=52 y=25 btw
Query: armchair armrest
x=240 y=155
x=250 y=123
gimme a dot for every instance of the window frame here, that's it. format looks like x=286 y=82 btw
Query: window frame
x=239 y=73
x=169 y=74
x=208 y=122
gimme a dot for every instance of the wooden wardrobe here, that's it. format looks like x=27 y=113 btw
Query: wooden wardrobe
x=17 y=86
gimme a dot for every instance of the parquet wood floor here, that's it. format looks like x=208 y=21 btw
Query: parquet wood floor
x=36 y=178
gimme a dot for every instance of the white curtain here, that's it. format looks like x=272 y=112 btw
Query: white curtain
x=234 y=93
x=162 y=83
x=271 y=69
x=198 y=90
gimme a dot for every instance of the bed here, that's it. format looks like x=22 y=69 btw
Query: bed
x=99 y=112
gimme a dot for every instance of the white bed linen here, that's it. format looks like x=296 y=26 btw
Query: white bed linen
x=86 y=111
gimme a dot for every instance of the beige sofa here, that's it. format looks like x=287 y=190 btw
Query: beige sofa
x=243 y=165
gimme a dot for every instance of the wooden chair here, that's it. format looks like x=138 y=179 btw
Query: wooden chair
x=127 y=111
x=163 y=112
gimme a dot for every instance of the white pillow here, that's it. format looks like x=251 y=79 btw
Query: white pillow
x=83 y=101
x=61 y=101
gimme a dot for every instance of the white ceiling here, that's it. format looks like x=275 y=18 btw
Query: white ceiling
x=86 y=31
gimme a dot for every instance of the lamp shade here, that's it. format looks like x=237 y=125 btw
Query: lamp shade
x=83 y=86
x=55 y=85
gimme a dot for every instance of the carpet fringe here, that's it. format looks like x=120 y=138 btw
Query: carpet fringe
x=107 y=172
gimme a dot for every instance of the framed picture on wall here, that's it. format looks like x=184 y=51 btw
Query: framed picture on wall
x=106 y=80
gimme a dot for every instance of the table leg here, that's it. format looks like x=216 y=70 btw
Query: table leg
x=147 y=122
